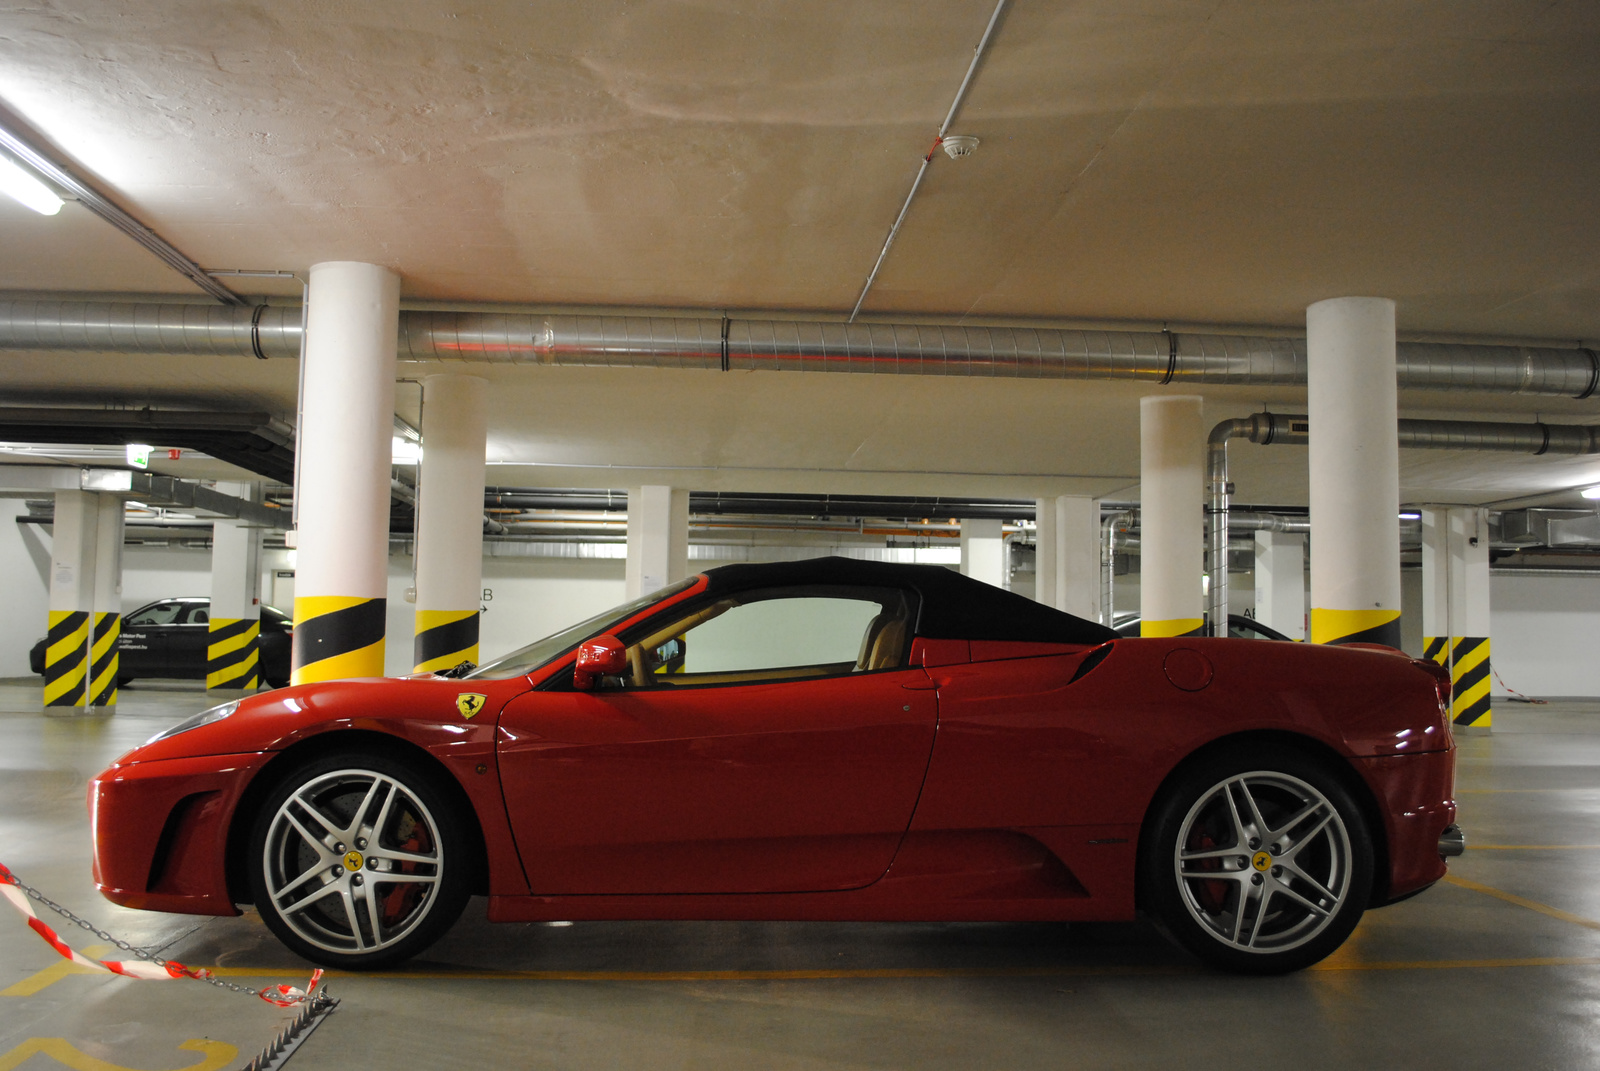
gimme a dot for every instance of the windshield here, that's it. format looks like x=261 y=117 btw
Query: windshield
x=531 y=657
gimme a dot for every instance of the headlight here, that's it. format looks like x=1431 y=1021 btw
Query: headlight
x=205 y=717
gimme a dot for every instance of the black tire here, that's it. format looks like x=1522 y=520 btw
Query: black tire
x=377 y=818
x=1287 y=842
x=123 y=682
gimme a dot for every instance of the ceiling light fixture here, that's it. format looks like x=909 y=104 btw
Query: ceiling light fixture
x=24 y=188
x=1591 y=493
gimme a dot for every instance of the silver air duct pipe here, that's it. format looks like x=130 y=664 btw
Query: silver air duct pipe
x=1269 y=428
x=728 y=344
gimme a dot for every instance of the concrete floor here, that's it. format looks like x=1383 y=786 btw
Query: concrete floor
x=1499 y=967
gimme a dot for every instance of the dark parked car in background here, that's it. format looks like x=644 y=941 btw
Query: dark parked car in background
x=168 y=639
x=1240 y=627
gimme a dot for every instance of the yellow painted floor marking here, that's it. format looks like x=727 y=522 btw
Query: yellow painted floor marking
x=53 y=974
x=904 y=972
x=214 y=1055
x=1520 y=901
x=1517 y=791
x=1533 y=847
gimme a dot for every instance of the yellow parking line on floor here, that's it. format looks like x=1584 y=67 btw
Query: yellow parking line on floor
x=846 y=974
x=53 y=974
x=1532 y=847
x=1522 y=901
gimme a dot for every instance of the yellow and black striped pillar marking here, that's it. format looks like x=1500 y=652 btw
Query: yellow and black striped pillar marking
x=445 y=638
x=104 y=660
x=1436 y=649
x=337 y=636
x=1177 y=626
x=233 y=653
x=66 y=658
x=1355 y=626
x=1469 y=681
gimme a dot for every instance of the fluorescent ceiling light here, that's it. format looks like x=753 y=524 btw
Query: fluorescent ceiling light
x=1410 y=515
x=23 y=187
x=1592 y=492
x=402 y=452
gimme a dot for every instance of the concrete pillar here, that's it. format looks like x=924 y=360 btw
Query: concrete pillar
x=1355 y=471
x=658 y=538
x=1068 y=555
x=85 y=620
x=1281 y=582
x=449 y=547
x=233 y=643
x=347 y=422
x=107 y=601
x=1172 y=451
x=983 y=551
x=1046 y=552
x=1455 y=606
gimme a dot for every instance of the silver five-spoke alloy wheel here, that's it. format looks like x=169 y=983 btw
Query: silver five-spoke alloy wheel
x=352 y=862
x=1258 y=859
x=1264 y=861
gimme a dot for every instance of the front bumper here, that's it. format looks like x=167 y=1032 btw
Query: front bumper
x=160 y=831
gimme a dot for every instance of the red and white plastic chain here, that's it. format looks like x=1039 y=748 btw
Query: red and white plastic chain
x=1518 y=696
x=153 y=967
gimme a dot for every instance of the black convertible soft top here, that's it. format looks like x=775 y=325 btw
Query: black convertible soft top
x=954 y=607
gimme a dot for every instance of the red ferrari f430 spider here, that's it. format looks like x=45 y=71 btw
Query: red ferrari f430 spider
x=827 y=739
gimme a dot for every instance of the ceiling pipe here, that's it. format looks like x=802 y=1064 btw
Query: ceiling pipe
x=1271 y=428
x=781 y=345
x=37 y=159
x=938 y=139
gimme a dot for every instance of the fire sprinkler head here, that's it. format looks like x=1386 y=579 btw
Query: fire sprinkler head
x=959 y=145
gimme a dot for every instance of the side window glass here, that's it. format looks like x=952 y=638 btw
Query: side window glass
x=775 y=635
x=162 y=613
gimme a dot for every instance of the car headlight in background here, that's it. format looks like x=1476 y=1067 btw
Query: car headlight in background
x=205 y=717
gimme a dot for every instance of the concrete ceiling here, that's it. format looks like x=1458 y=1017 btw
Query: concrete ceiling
x=1159 y=161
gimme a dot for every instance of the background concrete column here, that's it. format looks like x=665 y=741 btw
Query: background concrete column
x=107 y=602
x=1355 y=471
x=983 y=551
x=1046 y=552
x=233 y=645
x=449 y=547
x=1281 y=582
x=1078 y=556
x=1172 y=451
x=1455 y=606
x=347 y=423
x=85 y=601
x=658 y=538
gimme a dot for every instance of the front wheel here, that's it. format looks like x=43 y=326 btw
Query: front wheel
x=359 y=861
x=1258 y=862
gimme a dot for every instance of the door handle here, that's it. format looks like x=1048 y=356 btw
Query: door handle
x=925 y=685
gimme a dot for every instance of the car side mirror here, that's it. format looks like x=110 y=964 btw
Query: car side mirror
x=603 y=656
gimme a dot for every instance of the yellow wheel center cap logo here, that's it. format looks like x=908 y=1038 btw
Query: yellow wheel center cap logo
x=1262 y=861
x=353 y=861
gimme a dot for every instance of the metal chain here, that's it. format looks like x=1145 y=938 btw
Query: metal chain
x=141 y=953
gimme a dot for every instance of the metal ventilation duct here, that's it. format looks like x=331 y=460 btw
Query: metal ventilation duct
x=898 y=349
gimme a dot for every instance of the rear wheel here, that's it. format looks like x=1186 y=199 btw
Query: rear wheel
x=359 y=861
x=1258 y=862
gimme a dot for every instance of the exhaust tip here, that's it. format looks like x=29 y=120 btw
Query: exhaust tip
x=1452 y=842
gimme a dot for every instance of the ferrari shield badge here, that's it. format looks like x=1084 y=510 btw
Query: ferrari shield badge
x=469 y=703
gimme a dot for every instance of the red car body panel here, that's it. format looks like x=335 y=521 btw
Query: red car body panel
x=988 y=779
x=787 y=786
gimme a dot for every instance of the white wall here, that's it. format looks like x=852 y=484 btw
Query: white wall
x=1542 y=630
x=25 y=565
x=533 y=597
